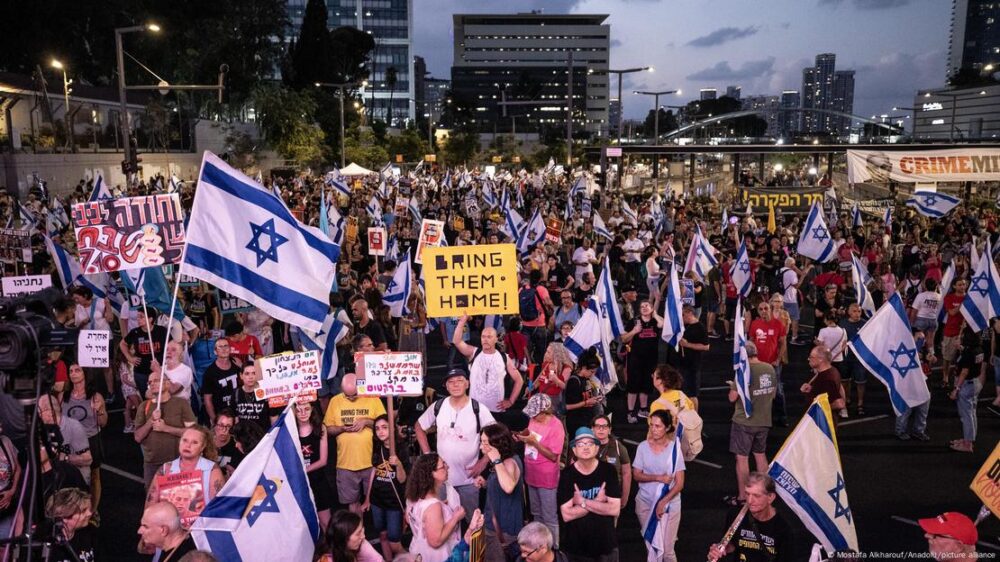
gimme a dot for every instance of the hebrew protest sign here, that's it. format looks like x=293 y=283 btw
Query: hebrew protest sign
x=479 y=279
x=376 y=241
x=431 y=233
x=93 y=348
x=15 y=245
x=129 y=233
x=390 y=374
x=986 y=484
x=25 y=284
x=288 y=374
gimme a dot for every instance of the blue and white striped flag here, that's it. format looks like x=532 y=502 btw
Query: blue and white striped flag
x=266 y=510
x=932 y=203
x=101 y=190
x=386 y=170
x=607 y=300
x=725 y=219
x=741 y=362
x=741 y=272
x=244 y=241
x=982 y=301
x=337 y=184
x=28 y=220
x=392 y=249
x=629 y=215
x=673 y=323
x=810 y=479
x=513 y=224
x=885 y=346
x=532 y=234
x=856 y=216
x=600 y=228
x=374 y=209
x=398 y=292
x=414 y=207
x=446 y=181
x=654 y=528
x=589 y=332
x=175 y=184
x=860 y=277
x=67 y=267
x=701 y=256
x=815 y=241
x=325 y=341
x=946 y=280
x=489 y=199
x=59 y=212
x=579 y=186
x=887 y=220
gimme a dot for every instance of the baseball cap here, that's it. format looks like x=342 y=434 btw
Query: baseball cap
x=457 y=372
x=537 y=404
x=952 y=524
x=584 y=433
x=626 y=287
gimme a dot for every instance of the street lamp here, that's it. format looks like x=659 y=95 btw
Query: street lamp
x=340 y=86
x=125 y=125
x=66 y=92
x=621 y=112
x=656 y=109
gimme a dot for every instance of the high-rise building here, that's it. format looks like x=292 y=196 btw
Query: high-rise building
x=826 y=89
x=975 y=36
x=614 y=114
x=768 y=108
x=390 y=23
x=524 y=58
x=435 y=92
x=708 y=94
x=733 y=92
x=788 y=119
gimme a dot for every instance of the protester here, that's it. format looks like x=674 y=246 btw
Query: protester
x=160 y=423
x=350 y=418
x=435 y=523
x=488 y=366
x=345 y=540
x=950 y=536
x=504 y=486
x=543 y=442
x=386 y=489
x=748 y=433
x=84 y=404
x=589 y=501
x=642 y=338
x=762 y=534
x=659 y=470
x=313 y=441
x=68 y=512
x=968 y=384
x=161 y=531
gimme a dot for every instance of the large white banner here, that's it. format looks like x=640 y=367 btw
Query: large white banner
x=960 y=164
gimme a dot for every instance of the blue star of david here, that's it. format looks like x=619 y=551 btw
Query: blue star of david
x=819 y=233
x=930 y=200
x=909 y=354
x=745 y=266
x=266 y=505
x=980 y=284
x=266 y=229
x=839 y=510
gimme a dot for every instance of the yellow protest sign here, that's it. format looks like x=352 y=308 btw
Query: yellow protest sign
x=986 y=484
x=471 y=280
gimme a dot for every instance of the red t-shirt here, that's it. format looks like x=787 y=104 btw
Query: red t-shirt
x=826 y=382
x=953 y=322
x=247 y=349
x=766 y=335
x=828 y=278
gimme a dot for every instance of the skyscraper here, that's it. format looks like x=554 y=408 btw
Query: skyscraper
x=975 y=35
x=709 y=93
x=390 y=23
x=788 y=120
x=826 y=89
x=734 y=92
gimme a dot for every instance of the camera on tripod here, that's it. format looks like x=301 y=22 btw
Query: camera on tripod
x=28 y=328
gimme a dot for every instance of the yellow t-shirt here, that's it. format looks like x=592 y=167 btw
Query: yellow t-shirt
x=672 y=396
x=354 y=449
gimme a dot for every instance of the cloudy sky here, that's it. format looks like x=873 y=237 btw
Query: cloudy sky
x=895 y=46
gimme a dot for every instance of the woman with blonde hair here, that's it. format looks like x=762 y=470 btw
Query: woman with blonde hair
x=551 y=376
x=197 y=453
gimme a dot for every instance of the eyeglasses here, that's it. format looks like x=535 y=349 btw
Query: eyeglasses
x=527 y=554
x=226 y=426
x=601 y=426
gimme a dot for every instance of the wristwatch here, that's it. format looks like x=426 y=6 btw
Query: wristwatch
x=496 y=462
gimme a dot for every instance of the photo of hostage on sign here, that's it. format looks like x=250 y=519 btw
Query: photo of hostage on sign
x=471 y=280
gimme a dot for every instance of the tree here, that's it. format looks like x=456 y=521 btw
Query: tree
x=461 y=146
x=390 y=82
x=350 y=49
x=668 y=122
x=364 y=150
x=409 y=144
x=242 y=149
x=311 y=59
x=967 y=77
x=286 y=122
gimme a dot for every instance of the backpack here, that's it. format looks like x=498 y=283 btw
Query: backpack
x=778 y=283
x=689 y=425
x=528 y=302
x=475 y=411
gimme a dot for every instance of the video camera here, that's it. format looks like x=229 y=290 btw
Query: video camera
x=28 y=328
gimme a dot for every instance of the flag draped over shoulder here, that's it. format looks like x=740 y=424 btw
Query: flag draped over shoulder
x=589 y=332
x=815 y=241
x=982 y=301
x=741 y=362
x=266 y=509
x=244 y=241
x=885 y=346
x=810 y=480
x=673 y=323
x=932 y=203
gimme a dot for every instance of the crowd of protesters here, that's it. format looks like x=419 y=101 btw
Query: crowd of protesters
x=514 y=446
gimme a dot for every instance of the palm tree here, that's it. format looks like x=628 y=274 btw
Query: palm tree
x=390 y=82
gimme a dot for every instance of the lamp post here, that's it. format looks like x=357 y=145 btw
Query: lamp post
x=656 y=123
x=621 y=104
x=340 y=86
x=125 y=125
x=66 y=91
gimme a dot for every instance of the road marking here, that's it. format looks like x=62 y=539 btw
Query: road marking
x=123 y=474
x=915 y=524
x=863 y=420
x=699 y=461
x=705 y=388
x=116 y=410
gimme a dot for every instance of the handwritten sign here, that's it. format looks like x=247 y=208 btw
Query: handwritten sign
x=479 y=279
x=129 y=232
x=25 y=284
x=986 y=484
x=288 y=374
x=376 y=241
x=93 y=348
x=229 y=304
x=15 y=245
x=390 y=374
x=431 y=234
x=185 y=491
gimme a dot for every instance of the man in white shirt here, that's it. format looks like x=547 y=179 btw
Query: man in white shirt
x=457 y=421
x=790 y=279
x=584 y=259
x=179 y=374
x=633 y=248
x=925 y=310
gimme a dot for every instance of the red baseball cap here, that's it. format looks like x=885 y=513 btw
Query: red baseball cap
x=952 y=524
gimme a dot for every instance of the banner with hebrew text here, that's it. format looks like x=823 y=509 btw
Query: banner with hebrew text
x=129 y=232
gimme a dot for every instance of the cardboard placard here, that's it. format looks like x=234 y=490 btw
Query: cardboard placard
x=288 y=374
x=479 y=279
x=129 y=233
x=15 y=245
x=93 y=348
x=185 y=491
x=376 y=241
x=586 y=208
x=25 y=284
x=431 y=233
x=400 y=207
x=553 y=230
x=687 y=291
x=986 y=484
x=390 y=374
x=229 y=304
x=352 y=230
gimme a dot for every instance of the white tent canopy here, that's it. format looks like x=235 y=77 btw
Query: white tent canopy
x=354 y=170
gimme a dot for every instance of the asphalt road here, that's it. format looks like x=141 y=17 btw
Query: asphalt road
x=890 y=483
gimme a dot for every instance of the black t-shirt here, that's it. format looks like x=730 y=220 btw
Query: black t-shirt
x=248 y=408
x=186 y=546
x=138 y=341
x=760 y=541
x=693 y=333
x=557 y=277
x=382 y=493
x=594 y=535
x=84 y=543
x=222 y=385
x=229 y=455
x=581 y=295
x=578 y=390
x=374 y=331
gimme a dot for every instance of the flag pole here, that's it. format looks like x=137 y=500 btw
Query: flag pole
x=731 y=531
x=170 y=319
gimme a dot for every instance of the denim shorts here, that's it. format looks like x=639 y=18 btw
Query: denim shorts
x=925 y=324
x=792 y=308
x=388 y=520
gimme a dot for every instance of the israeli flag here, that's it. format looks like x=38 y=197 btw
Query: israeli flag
x=654 y=527
x=386 y=170
x=336 y=224
x=67 y=267
x=885 y=346
x=701 y=256
x=982 y=301
x=860 y=278
x=550 y=166
x=579 y=186
x=591 y=331
x=101 y=190
x=810 y=479
x=392 y=248
x=59 y=212
x=175 y=184
x=629 y=215
x=337 y=184
x=246 y=242
x=568 y=211
x=856 y=217
x=741 y=273
x=725 y=219
x=887 y=220
x=414 y=207
x=815 y=241
x=325 y=341
x=266 y=509
x=150 y=284
x=607 y=300
x=28 y=220
x=374 y=209
x=932 y=203
x=489 y=199
x=946 y=280
x=532 y=234
x=513 y=224
x=398 y=292
x=600 y=228
x=446 y=181
x=673 y=323
x=741 y=362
